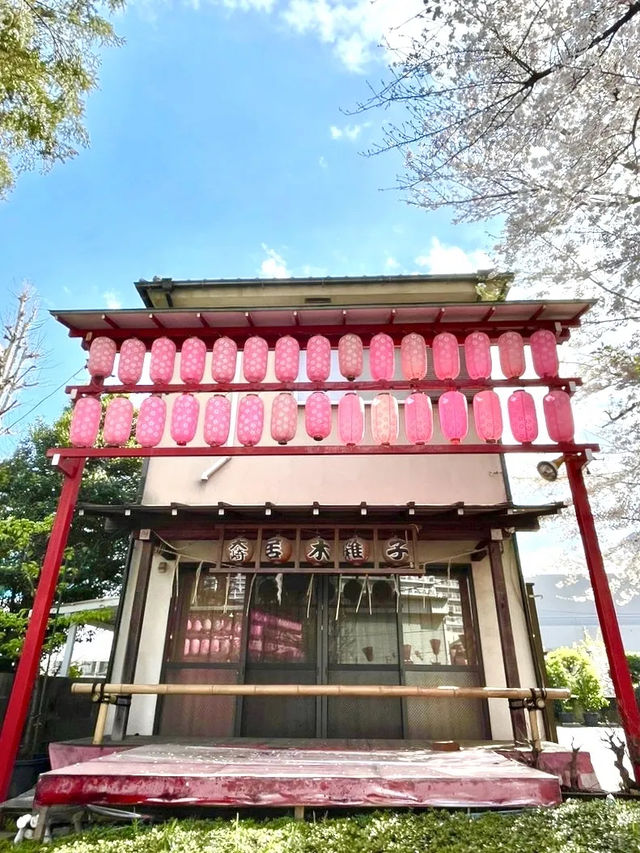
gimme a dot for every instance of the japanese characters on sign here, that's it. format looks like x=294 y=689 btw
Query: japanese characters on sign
x=240 y=550
x=356 y=551
x=396 y=551
x=318 y=551
x=277 y=549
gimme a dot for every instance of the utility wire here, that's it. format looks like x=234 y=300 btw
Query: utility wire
x=40 y=402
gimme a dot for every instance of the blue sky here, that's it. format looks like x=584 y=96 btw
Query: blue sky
x=219 y=148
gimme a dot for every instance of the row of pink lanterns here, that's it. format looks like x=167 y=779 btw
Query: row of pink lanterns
x=413 y=352
x=418 y=418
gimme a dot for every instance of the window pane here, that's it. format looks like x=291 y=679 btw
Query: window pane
x=279 y=628
x=363 y=622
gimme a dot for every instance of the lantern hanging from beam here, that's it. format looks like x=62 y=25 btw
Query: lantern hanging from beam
x=487 y=416
x=131 y=361
x=223 y=359
x=544 y=353
x=250 y=420
x=117 y=421
x=384 y=419
x=163 y=357
x=446 y=356
x=318 y=358
x=240 y=550
x=151 y=421
x=254 y=359
x=418 y=418
x=85 y=422
x=396 y=551
x=356 y=551
x=192 y=358
x=317 y=415
x=217 y=420
x=184 y=418
x=351 y=419
x=413 y=357
x=317 y=551
x=522 y=417
x=558 y=415
x=284 y=418
x=277 y=549
x=287 y=359
x=454 y=416
x=381 y=357
x=511 y=350
x=350 y=356
x=102 y=354
x=477 y=355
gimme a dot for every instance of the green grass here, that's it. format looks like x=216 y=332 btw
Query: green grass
x=575 y=827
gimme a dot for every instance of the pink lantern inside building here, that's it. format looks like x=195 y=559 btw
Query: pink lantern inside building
x=284 y=417
x=511 y=350
x=477 y=355
x=192 y=357
x=454 y=417
x=544 y=353
x=351 y=419
x=163 y=357
x=446 y=356
x=287 y=359
x=522 y=417
x=413 y=355
x=384 y=419
x=418 y=418
x=250 y=420
x=223 y=360
x=558 y=415
x=254 y=359
x=184 y=418
x=217 y=420
x=85 y=422
x=350 y=356
x=317 y=415
x=117 y=421
x=102 y=354
x=318 y=358
x=487 y=416
x=151 y=421
x=381 y=357
x=131 y=361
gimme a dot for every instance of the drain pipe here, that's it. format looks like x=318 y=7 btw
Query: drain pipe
x=217 y=465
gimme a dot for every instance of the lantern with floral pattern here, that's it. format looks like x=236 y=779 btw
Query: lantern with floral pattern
x=418 y=418
x=284 y=418
x=254 y=359
x=487 y=416
x=102 y=355
x=381 y=357
x=317 y=415
x=446 y=356
x=522 y=417
x=351 y=419
x=477 y=355
x=287 y=359
x=217 y=420
x=454 y=416
x=544 y=353
x=350 y=356
x=131 y=361
x=85 y=422
x=384 y=419
x=250 y=420
x=192 y=359
x=558 y=415
x=223 y=359
x=184 y=418
x=318 y=358
x=163 y=357
x=151 y=421
x=511 y=351
x=117 y=421
x=413 y=356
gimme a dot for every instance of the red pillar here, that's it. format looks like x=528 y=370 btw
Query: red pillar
x=29 y=663
x=618 y=667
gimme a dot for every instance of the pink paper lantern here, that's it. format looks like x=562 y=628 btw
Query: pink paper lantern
x=446 y=356
x=223 y=360
x=102 y=354
x=163 y=357
x=117 y=421
x=284 y=418
x=151 y=421
x=418 y=418
x=317 y=415
x=558 y=415
x=131 y=361
x=217 y=420
x=350 y=356
x=381 y=357
x=192 y=358
x=454 y=416
x=477 y=355
x=384 y=419
x=351 y=419
x=487 y=416
x=318 y=358
x=413 y=355
x=85 y=422
x=254 y=359
x=522 y=417
x=250 y=420
x=184 y=418
x=511 y=350
x=287 y=359
x=544 y=353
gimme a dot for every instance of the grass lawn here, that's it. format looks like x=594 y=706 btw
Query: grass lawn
x=575 y=827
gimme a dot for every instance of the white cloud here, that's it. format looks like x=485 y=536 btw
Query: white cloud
x=274 y=265
x=112 y=299
x=349 y=131
x=391 y=263
x=441 y=259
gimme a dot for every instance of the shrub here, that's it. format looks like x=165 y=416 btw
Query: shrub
x=573 y=669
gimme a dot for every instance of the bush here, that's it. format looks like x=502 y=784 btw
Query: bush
x=572 y=668
x=633 y=659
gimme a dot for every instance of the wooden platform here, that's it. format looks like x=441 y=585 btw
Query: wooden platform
x=326 y=775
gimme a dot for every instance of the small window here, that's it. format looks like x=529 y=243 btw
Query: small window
x=317 y=300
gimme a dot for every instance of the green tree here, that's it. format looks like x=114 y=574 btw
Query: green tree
x=48 y=64
x=573 y=669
